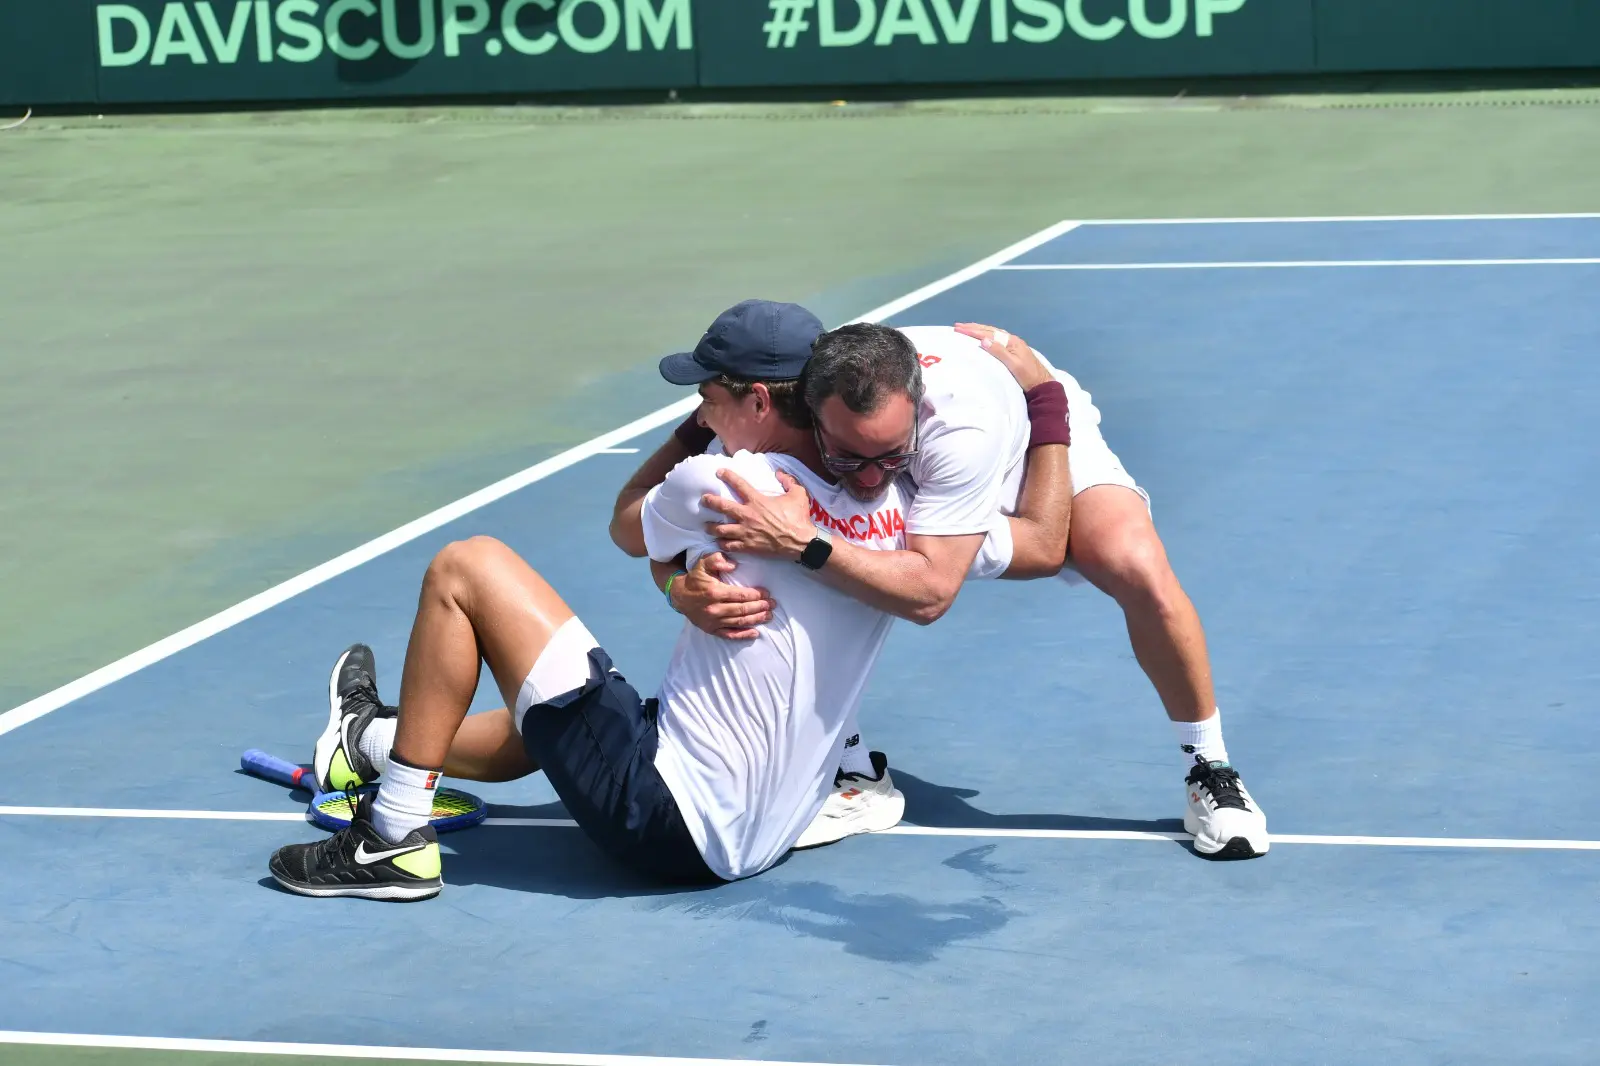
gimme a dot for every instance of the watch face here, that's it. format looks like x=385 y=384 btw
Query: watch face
x=816 y=553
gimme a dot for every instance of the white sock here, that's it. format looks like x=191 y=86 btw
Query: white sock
x=376 y=740
x=405 y=800
x=856 y=759
x=1203 y=739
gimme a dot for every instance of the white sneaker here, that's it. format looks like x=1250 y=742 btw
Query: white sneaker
x=1222 y=817
x=858 y=804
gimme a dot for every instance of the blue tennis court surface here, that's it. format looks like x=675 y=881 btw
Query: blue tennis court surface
x=1379 y=483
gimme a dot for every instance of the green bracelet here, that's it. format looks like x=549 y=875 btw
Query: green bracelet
x=667 y=589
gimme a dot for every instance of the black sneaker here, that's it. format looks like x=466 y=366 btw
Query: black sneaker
x=352 y=705
x=357 y=861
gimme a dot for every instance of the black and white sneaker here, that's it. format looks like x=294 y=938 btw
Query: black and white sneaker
x=357 y=861
x=352 y=705
x=1222 y=817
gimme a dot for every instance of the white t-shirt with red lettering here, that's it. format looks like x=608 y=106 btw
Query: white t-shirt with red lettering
x=752 y=731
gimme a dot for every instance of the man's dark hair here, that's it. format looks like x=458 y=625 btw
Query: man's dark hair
x=863 y=364
x=788 y=398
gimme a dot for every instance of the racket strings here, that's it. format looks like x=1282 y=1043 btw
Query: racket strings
x=452 y=809
x=451 y=804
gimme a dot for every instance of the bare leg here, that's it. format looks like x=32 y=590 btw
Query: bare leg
x=1114 y=545
x=488 y=747
x=480 y=602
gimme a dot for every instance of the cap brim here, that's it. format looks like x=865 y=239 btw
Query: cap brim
x=681 y=369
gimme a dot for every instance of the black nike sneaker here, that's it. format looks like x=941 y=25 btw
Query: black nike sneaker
x=352 y=705
x=1222 y=815
x=357 y=861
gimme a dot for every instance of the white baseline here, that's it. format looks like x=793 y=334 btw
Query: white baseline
x=1302 y=264
x=1322 y=219
x=1507 y=843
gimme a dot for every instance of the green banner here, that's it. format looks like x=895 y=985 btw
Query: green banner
x=46 y=53
x=160 y=51
x=859 y=42
x=179 y=50
x=1360 y=35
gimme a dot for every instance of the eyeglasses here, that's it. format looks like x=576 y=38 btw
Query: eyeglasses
x=889 y=464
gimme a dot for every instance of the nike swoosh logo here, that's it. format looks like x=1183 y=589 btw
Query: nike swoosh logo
x=367 y=858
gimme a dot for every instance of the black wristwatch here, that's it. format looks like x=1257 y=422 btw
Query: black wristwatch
x=815 y=557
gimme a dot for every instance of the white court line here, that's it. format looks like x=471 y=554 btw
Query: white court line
x=899 y=830
x=357 y=1051
x=1302 y=264
x=232 y=616
x=618 y=451
x=1332 y=218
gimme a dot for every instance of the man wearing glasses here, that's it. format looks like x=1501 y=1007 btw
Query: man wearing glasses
x=866 y=435
x=962 y=445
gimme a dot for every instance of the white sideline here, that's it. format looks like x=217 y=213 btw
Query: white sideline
x=357 y=1051
x=605 y=443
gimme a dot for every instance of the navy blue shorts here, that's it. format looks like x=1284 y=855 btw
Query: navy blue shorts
x=597 y=745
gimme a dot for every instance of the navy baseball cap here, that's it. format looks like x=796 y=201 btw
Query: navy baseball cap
x=757 y=340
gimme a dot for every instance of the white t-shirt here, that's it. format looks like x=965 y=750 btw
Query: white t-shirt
x=974 y=445
x=751 y=731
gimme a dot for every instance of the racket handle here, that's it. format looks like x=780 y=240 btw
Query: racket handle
x=272 y=768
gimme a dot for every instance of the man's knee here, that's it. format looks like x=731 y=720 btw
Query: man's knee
x=1129 y=562
x=460 y=564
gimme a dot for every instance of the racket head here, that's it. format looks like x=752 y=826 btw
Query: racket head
x=452 y=809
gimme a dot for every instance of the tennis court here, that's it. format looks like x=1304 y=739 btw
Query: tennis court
x=1370 y=448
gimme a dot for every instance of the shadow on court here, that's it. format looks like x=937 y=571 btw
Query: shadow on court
x=946 y=807
x=883 y=926
x=554 y=861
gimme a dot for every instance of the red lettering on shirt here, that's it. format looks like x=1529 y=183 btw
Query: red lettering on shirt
x=879 y=526
x=928 y=360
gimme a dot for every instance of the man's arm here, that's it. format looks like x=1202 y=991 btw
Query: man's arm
x=710 y=603
x=627 y=526
x=918 y=584
x=1044 y=515
x=921 y=583
x=1043 y=519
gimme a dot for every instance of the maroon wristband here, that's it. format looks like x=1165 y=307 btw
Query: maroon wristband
x=1047 y=414
x=694 y=437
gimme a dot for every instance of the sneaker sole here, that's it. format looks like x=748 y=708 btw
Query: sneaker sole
x=328 y=742
x=1237 y=848
x=840 y=828
x=389 y=893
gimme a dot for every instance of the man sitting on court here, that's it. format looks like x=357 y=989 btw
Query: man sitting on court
x=716 y=777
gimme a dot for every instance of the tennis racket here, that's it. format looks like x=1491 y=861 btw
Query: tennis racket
x=452 y=808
